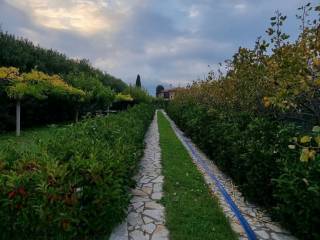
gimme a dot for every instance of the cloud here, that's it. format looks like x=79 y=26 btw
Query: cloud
x=167 y=42
x=240 y=7
x=82 y=16
x=193 y=12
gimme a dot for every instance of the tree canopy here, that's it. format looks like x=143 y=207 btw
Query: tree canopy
x=36 y=85
x=23 y=54
x=139 y=95
x=48 y=74
x=159 y=89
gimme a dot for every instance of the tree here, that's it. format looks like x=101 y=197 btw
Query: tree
x=8 y=75
x=25 y=56
x=278 y=37
x=37 y=85
x=139 y=95
x=138 y=81
x=159 y=89
x=98 y=96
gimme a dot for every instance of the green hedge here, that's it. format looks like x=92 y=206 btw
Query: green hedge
x=73 y=185
x=253 y=151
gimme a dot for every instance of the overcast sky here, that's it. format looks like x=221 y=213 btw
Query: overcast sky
x=165 y=41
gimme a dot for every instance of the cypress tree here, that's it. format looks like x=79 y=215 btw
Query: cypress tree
x=138 y=81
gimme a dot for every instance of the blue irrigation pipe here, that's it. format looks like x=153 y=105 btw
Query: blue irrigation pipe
x=244 y=223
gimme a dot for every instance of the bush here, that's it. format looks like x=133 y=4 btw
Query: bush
x=73 y=185
x=243 y=119
x=297 y=194
x=243 y=146
x=138 y=94
x=253 y=151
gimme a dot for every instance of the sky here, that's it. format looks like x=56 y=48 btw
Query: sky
x=168 y=42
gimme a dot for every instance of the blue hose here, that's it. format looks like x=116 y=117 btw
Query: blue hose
x=250 y=233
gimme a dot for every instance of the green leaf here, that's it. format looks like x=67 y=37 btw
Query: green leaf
x=283 y=18
x=305 y=181
x=317 y=139
x=291 y=146
x=316 y=129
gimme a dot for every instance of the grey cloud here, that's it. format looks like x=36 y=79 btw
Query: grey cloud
x=165 y=41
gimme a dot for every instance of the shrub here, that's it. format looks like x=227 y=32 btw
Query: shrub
x=243 y=119
x=253 y=151
x=73 y=185
x=297 y=194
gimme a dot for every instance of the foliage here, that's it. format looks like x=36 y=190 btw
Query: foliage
x=98 y=96
x=294 y=70
x=36 y=84
x=120 y=97
x=244 y=146
x=255 y=121
x=159 y=89
x=24 y=55
x=254 y=152
x=10 y=73
x=300 y=180
x=139 y=95
x=160 y=103
x=73 y=184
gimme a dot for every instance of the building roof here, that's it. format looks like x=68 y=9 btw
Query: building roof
x=171 y=90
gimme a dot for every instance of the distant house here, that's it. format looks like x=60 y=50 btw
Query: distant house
x=168 y=94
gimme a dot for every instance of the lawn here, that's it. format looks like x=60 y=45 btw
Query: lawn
x=191 y=211
x=29 y=138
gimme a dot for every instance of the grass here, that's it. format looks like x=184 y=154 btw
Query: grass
x=191 y=211
x=29 y=138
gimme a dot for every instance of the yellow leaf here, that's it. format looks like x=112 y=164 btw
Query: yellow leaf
x=316 y=62
x=312 y=154
x=304 y=157
x=305 y=139
x=266 y=102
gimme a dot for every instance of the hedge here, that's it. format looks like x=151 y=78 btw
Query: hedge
x=253 y=151
x=75 y=184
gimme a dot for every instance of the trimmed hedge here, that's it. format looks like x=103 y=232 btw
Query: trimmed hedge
x=253 y=151
x=75 y=184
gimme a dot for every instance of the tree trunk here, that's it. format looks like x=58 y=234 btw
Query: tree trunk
x=77 y=116
x=18 y=116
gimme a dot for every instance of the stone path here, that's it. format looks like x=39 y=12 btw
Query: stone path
x=259 y=221
x=146 y=216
